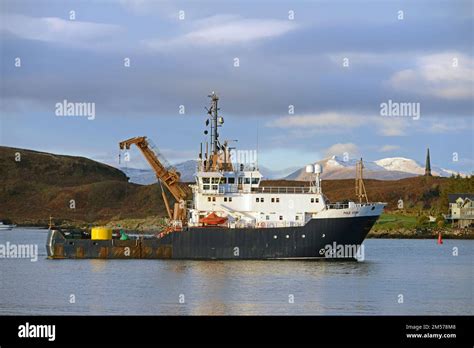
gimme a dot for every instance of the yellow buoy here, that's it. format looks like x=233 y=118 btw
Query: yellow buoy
x=101 y=233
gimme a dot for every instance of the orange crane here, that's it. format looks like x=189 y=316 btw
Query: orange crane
x=168 y=176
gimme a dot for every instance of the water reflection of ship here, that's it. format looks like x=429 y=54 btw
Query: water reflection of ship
x=222 y=287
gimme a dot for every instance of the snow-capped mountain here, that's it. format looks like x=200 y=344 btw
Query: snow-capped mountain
x=400 y=164
x=407 y=165
x=384 y=169
x=393 y=168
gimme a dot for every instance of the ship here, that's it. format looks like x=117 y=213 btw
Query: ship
x=231 y=216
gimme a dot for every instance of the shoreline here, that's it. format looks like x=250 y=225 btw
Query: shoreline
x=379 y=234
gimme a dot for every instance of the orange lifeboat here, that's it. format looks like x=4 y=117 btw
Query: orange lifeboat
x=213 y=220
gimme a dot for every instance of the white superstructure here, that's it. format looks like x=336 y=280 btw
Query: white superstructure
x=238 y=196
x=233 y=191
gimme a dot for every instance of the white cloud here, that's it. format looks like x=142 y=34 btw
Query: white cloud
x=335 y=122
x=438 y=75
x=388 y=148
x=339 y=149
x=139 y=6
x=452 y=125
x=322 y=122
x=392 y=126
x=162 y=8
x=361 y=58
x=224 y=30
x=54 y=29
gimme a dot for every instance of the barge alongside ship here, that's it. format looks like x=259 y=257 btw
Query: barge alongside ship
x=231 y=216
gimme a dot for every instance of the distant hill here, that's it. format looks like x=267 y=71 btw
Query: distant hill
x=51 y=169
x=395 y=168
x=148 y=176
x=140 y=176
x=187 y=170
x=43 y=184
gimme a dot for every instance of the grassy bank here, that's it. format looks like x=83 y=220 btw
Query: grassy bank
x=392 y=225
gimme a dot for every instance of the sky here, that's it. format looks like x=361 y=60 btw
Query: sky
x=298 y=81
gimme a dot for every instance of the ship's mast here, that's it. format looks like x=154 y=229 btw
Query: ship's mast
x=359 y=182
x=218 y=158
x=213 y=112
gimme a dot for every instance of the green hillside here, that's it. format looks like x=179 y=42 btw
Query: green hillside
x=74 y=189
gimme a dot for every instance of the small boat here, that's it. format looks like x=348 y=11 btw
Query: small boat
x=5 y=227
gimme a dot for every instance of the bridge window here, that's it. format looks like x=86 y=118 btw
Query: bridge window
x=214 y=187
x=215 y=180
x=255 y=181
x=247 y=181
x=206 y=180
x=231 y=180
x=206 y=187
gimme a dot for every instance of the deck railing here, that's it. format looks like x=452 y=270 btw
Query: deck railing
x=234 y=188
x=270 y=189
x=266 y=224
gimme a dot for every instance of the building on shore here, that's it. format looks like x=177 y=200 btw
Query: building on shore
x=461 y=209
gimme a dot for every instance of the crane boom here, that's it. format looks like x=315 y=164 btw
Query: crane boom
x=169 y=177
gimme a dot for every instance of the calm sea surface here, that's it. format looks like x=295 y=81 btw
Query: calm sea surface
x=428 y=276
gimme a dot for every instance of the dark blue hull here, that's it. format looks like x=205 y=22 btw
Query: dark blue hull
x=204 y=243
